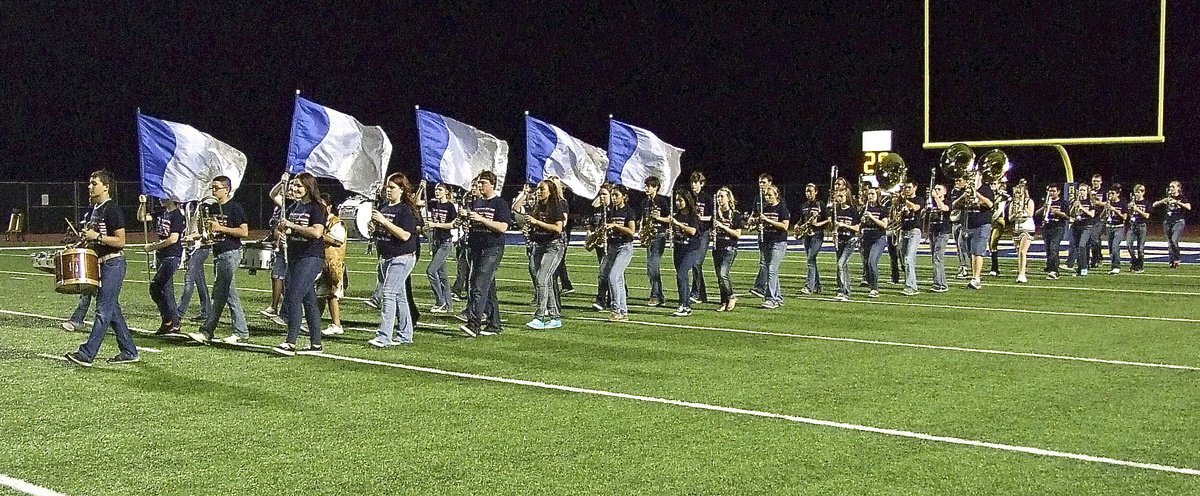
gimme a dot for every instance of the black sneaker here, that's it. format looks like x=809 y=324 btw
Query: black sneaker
x=284 y=349
x=123 y=358
x=77 y=359
x=165 y=328
x=469 y=329
x=312 y=349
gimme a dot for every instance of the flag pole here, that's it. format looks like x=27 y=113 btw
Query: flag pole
x=142 y=198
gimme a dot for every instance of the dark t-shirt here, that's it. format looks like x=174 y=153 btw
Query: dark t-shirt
x=702 y=210
x=1135 y=218
x=980 y=215
x=691 y=220
x=1114 y=220
x=910 y=219
x=953 y=197
x=871 y=230
x=166 y=223
x=305 y=215
x=495 y=208
x=106 y=219
x=1176 y=213
x=939 y=221
x=553 y=211
x=228 y=214
x=621 y=216
x=663 y=205
x=845 y=215
x=724 y=240
x=441 y=212
x=808 y=210
x=1056 y=206
x=388 y=245
x=777 y=212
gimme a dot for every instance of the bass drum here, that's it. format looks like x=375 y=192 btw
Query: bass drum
x=257 y=256
x=356 y=215
x=77 y=271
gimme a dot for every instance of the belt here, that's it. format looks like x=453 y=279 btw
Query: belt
x=110 y=256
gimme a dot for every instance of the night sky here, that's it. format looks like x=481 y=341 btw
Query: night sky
x=783 y=87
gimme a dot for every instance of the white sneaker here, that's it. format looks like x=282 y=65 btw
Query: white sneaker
x=332 y=330
x=232 y=339
x=1115 y=271
x=278 y=320
x=438 y=309
x=975 y=284
x=1083 y=272
x=873 y=294
x=843 y=297
x=71 y=326
x=379 y=343
x=1022 y=279
x=268 y=312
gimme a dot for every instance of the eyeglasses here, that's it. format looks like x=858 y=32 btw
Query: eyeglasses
x=216 y=187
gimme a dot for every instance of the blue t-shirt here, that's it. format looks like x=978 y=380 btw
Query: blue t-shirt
x=305 y=215
x=1176 y=213
x=166 y=223
x=106 y=219
x=980 y=215
x=779 y=213
x=495 y=208
x=228 y=214
x=388 y=245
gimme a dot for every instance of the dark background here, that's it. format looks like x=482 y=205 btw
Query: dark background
x=783 y=88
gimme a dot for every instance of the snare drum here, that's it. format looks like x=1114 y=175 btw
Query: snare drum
x=356 y=214
x=77 y=271
x=257 y=256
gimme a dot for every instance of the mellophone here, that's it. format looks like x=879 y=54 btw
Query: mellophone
x=76 y=270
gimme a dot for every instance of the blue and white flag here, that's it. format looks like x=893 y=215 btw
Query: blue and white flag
x=636 y=154
x=550 y=151
x=328 y=143
x=178 y=162
x=454 y=153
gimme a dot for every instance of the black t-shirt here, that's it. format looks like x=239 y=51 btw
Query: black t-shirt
x=809 y=210
x=228 y=214
x=165 y=223
x=441 y=212
x=777 y=212
x=552 y=211
x=702 y=210
x=871 y=230
x=106 y=219
x=621 y=216
x=845 y=215
x=495 y=208
x=388 y=245
x=939 y=221
x=1114 y=220
x=980 y=215
x=305 y=215
x=1056 y=207
x=953 y=197
x=691 y=220
x=725 y=240
x=1136 y=218
x=910 y=219
x=1082 y=218
x=1176 y=213
x=663 y=205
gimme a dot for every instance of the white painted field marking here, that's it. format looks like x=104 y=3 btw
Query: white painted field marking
x=27 y=488
x=48 y=317
x=902 y=344
x=1009 y=310
x=779 y=416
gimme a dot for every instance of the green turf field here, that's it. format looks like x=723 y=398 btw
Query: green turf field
x=726 y=403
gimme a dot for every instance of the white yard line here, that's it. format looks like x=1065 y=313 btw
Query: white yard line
x=49 y=317
x=27 y=488
x=1009 y=310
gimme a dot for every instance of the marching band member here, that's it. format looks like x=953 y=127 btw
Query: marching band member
x=490 y=216
x=910 y=234
x=442 y=213
x=462 y=274
x=689 y=247
x=774 y=221
x=699 y=289
x=1097 y=224
x=656 y=211
x=727 y=224
x=622 y=223
x=1082 y=219
x=562 y=278
x=1055 y=215
x=75 y=321
x=939 y=235
x=331 y=284
x=278 y=265
x=601 y=203
x=846 y=227
x=169 y=226
x=304 y=226
x=1115 y=217
x=106 y=235
x=999 y=224
x=1139 y=214
x=523 y=204
x=1020 y=217
x=397 y=242
x=547 y=221
x=193 y=277
x=958 y=222
x=229 y=225
x=765 y=181
x=813 y=213
x=1177 y=207
x=978 y=202
x=873 y=229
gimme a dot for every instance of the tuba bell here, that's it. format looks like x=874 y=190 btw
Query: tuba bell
x=994 y=166
x=892 y=173
x=958 y=160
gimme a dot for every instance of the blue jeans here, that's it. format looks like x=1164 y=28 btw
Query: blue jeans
x=760 y=279
x=812 y=248
x=1052 y=236
x=395 y=317
x=1174 y=232
x=603 y=292
x=772 y=255
x=723 y=259
x=194 y=281
x=462 y=269
x=224 y=292
x=1081 y=239
x=162 y=289
x=300 y=295
x=483 y=301
x=909 y=242
x=546 y=260
x=617 y=259
x=439 y=277
x=687 y=256
x=937 y=248
x=699 y=289
x=654 y=253
x=81 y=310
x=872 y=249
x=844 y=250
x=1137 y=246
x=108 y=312
x=1116 y=236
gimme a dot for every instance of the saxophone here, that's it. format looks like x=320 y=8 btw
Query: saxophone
x=649 y=226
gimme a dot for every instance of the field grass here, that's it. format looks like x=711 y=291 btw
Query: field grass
x=212 y=420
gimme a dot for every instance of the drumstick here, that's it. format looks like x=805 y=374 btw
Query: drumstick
x=71 y=226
